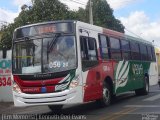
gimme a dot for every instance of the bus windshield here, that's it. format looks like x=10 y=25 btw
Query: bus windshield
x=44 y=55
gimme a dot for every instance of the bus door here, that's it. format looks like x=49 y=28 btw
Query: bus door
x=90 y=69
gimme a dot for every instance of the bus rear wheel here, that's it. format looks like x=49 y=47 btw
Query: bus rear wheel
x=55 y=108
x=106 y=99
x=145 y=89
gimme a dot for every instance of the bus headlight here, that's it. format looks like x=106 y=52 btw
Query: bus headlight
x=75 y=82
x=16 y=88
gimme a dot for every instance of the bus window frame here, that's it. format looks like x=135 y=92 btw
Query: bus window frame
x=107 y=48
x=118 y=38
x=132 y=51
x=150 y=56
x=144 y=56
x=95 y=62
x=123 y=50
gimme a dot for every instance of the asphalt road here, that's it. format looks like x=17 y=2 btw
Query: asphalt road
x=126 y=107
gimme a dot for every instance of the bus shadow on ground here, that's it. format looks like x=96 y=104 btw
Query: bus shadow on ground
x=88 y=108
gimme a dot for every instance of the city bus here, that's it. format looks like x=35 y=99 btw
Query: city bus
x=70 y=62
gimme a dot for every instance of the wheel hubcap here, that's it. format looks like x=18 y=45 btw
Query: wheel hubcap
x=106 y=94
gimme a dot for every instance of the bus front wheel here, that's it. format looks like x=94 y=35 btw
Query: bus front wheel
x=145 y=89
x=56 y=108
x=106 y=99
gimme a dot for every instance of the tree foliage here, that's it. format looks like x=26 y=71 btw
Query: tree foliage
x=50 y=10
x=103 y=16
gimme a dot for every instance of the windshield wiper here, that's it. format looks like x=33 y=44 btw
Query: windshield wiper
x=51 y=45
x=54 y=40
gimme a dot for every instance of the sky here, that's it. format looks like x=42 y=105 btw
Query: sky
x=141 y=17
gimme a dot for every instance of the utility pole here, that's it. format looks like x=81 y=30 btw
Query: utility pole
x=90 y=12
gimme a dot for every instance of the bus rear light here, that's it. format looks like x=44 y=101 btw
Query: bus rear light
x=16 y=88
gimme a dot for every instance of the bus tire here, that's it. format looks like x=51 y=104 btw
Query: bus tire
x=145 y=89
x=106 y=99
x=55 y=108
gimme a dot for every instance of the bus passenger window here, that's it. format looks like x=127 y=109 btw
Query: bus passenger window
x=115 y=49
x=149 y=49
x=135 y=53
x=104 y=47
x=143 y=50
x=125 y=49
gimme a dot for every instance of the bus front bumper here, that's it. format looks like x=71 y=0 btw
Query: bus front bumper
x=70 y=96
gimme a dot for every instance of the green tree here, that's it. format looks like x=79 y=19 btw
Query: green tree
x=51 y=10
x=82 y=15
x=47 y=10
x=6 y=38
x=103 y=16
x=40 y=11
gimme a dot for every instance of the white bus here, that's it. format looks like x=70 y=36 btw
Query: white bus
x=69 y=62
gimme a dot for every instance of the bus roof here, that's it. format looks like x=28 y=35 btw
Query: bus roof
x=105 y=30
x=131 y=38
x=48 y=22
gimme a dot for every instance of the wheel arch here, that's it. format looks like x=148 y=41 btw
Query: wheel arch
x=109 y=81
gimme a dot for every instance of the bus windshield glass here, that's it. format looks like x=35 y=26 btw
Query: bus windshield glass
x=44 y=55
x=59 y=54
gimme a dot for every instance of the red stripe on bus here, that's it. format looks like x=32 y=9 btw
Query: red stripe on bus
x=113 y=33
x=37 y=83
